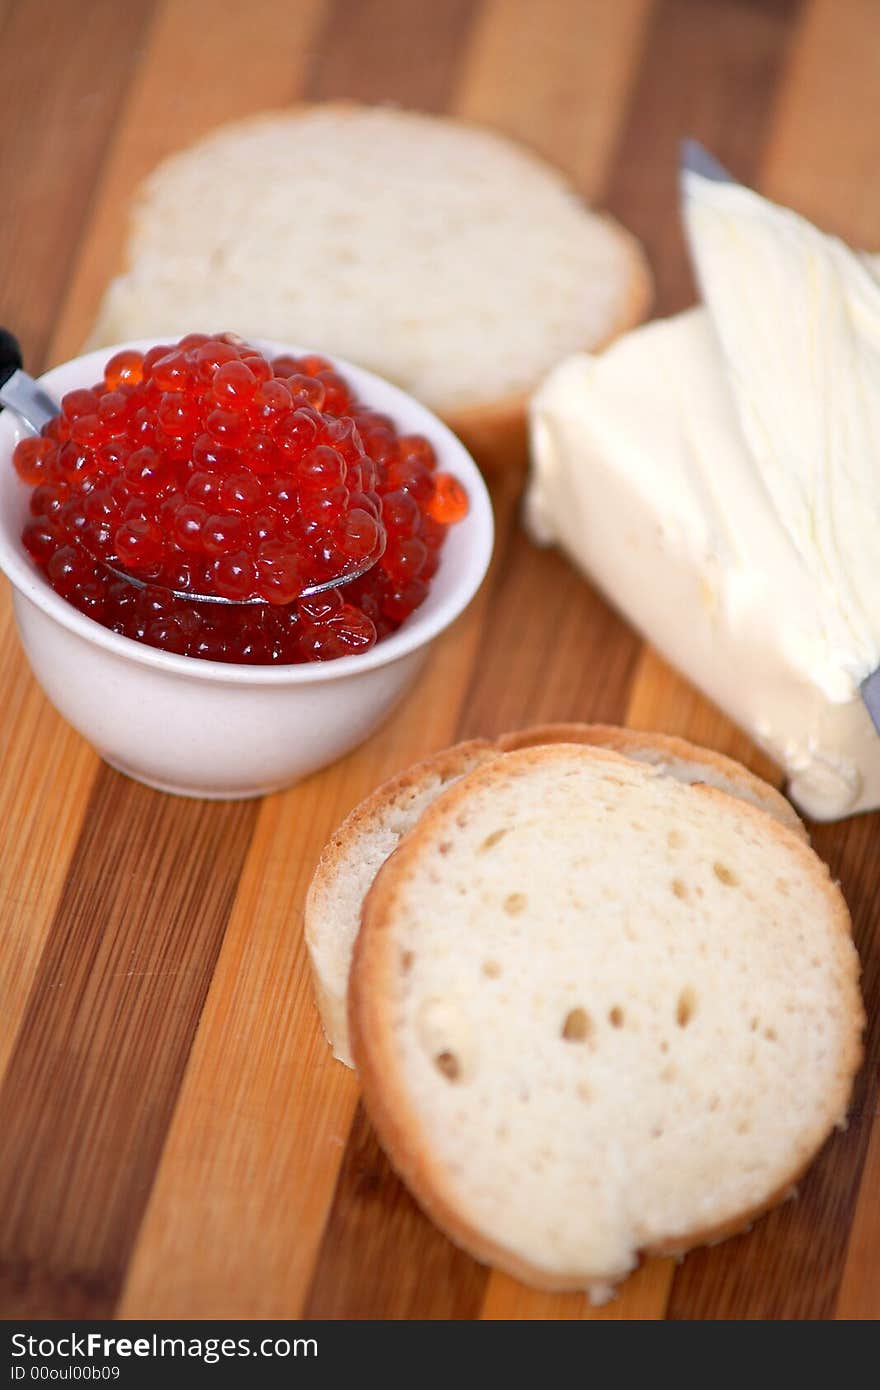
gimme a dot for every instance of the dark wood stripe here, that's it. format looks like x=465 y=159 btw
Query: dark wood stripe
x=92 y=1082
x=711 y=70
x=377 y=51
x=542 y=668
x=390 y=51
x=6 y=8
x=64 y=73
x=398 y=1264
x=791 y=1264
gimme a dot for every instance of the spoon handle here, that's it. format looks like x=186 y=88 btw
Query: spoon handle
x=19 y=391
x=10 y=355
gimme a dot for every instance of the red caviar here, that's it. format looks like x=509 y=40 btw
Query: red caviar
x=204 y=466
x=448 y=501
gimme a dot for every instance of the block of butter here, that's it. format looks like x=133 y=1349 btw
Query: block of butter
x=717 y=474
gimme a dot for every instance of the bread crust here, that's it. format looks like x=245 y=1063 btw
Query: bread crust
x=388 y=1104
x=629 y=741
x=446 y=765
x=496 y=433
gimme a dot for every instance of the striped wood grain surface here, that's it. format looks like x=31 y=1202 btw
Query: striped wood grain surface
x=175 y=1140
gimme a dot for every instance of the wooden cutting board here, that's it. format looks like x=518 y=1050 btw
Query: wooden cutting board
x=175 y=1140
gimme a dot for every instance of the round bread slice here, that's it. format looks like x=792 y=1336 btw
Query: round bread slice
x=359 y=847
x=597 y=1012
x=440 y=254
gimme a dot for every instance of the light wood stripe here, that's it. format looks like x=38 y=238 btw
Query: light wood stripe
x=58 y=116
x=824 y=154
x=642 y=1297
x=302 y=1107
x=44 y=791
x=556 y=75
x=193 y=74
x=47 y=769
x=661 y=699
x=91 y=1082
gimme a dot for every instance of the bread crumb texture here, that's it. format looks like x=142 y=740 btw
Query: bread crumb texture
x=441 y=255
x=599 y=1012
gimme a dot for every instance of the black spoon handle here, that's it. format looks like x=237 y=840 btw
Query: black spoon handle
x=10 y=355
x=18 y=391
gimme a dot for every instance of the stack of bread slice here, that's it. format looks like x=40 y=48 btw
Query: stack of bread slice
x=602 y=995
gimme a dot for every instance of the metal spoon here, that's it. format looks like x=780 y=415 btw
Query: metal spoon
x=35 y=408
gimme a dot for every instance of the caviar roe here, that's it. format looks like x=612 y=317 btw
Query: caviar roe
x=204 y=466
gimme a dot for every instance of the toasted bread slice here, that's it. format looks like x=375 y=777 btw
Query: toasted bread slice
x=597 y=1012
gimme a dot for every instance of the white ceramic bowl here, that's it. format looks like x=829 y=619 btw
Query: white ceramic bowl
x=213 y=729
